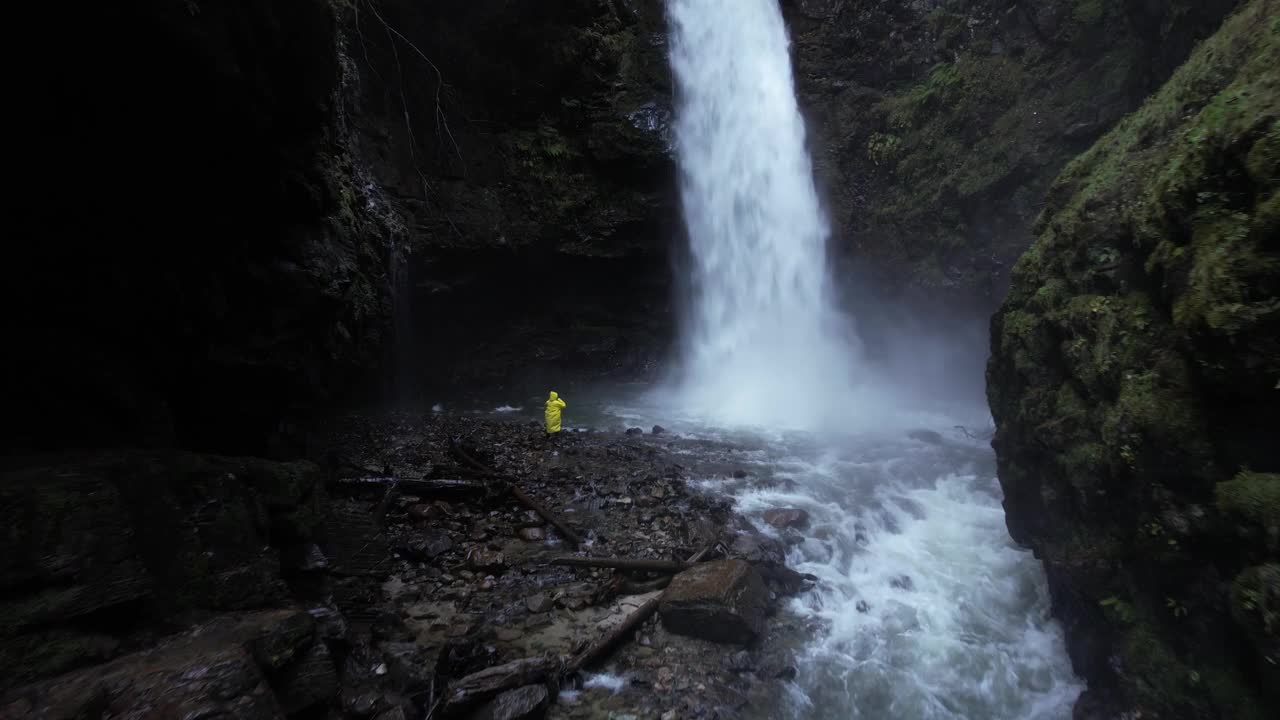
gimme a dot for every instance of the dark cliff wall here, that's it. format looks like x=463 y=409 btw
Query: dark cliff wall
x=1135 y=384
x=527 y=146
x=194 y=253
x=938 y=124
x=229 y=210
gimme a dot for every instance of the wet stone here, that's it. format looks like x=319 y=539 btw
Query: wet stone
x=519 y=704
x=723 y=601
x=479 y=558
x=635 y=431
x=538 y=603
x=532 y=534
x=902 y=582
x=425 y=546
x=658 y=430
x=784 y=518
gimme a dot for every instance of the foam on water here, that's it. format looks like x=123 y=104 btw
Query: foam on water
x=925 y=607
x=929 y=610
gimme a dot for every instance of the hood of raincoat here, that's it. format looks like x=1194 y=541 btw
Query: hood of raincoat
x=554 y=396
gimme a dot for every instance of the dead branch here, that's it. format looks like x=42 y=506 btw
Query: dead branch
x=613 y=636
x=490 y=681
x=668 y=566
x=525 y=499
x=433 y=488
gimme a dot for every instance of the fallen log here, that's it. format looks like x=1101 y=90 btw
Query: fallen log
x=639 y=587
x=415 y=486
x=525 y=499
x=605 y=643
x=669 y=566
x=490 y=681
x=566 y=532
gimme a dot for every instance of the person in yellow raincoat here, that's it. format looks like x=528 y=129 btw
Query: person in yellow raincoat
x=554 y=406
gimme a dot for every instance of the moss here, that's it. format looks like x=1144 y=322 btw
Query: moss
x=1155 y=273
x=1088 y=12
x=1251 y=497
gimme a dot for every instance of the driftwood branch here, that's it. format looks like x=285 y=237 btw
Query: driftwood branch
x=567 y=532
x=434 y=488
x=639 y=587
x=490 y=681
x=525 y=499
x=614 y=635
x=668 y=566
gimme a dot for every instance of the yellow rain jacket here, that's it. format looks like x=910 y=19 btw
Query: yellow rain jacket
x=554 y=406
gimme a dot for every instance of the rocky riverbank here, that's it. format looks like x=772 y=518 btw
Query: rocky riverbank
x=392 y=579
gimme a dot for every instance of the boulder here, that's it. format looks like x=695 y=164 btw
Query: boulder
x=481 y=558
x=308 y=681
x=426 y=545
x=539 y=603
x=784 y=518
x=658 y=430
x=722 y=601
x=519 y=704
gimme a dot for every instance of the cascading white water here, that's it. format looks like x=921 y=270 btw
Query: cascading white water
x=927 y=608
x=762 y=325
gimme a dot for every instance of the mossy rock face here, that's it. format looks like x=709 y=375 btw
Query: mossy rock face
x=1135 y=382
x=940 y=125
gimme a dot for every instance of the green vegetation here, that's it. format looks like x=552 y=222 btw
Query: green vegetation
x=1146 y=307
x=1253 y=498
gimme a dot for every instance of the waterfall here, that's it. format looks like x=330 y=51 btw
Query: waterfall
x=761 y=323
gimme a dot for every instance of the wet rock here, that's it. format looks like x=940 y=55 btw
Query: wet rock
x=863 y=606
x=395 y=713
x=425 y=545
x=757 y=548
x=360 y=704
x=519 y=704
x=308 y=681
x=304 y=558
x=739 y=474
x=410 y=666
x=479 y=558
x=424 y=512
x=207 y=672
x=926 y=436
x=635 y=431
x=532 y=534
x=508 y=634
x=488 y=583
x=741 y=661
x=330 y=624
x=786 y=672
x=784 y=518
x=283 y=642
x=658 y=430
x=902 y=582
x=538 y=603
x=722 y=601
